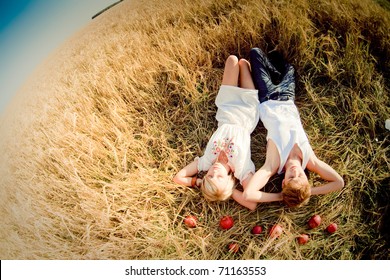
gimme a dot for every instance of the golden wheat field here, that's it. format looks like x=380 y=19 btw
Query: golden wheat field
x=90 y=146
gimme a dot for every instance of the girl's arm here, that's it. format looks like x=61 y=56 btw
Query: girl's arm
x=185 y=175
x=335 y=181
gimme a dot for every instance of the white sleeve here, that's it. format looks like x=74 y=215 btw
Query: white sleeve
x=204 y=163
x=243 y=173
x=244 y=167
x=247 y=172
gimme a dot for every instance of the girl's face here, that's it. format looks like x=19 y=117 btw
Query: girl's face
x=218 y=174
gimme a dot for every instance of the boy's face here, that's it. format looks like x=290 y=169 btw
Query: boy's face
x=296 y=173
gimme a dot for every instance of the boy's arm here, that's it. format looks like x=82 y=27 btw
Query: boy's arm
x=238 y=196
x=185 y=175
x=335 y=181
x=261 y=177
x=258 y=181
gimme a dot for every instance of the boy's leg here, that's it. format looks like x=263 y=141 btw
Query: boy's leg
x=276 y=59
x=231 y=71
x=261 y=73
x=287 y=85
x=245 y=74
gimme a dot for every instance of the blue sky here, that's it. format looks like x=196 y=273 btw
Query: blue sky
x=31 y=29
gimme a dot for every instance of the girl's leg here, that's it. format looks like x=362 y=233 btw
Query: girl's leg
x=245 y=74
x=231 y=71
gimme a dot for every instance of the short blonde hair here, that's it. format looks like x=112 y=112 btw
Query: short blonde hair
x=212 y=193
x=296 y=193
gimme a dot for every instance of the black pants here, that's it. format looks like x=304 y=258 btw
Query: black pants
x=263 y=75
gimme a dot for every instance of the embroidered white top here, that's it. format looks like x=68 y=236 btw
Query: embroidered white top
x=237 y=117
x=284 y=127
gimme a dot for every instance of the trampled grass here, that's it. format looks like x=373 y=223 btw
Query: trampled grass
x=90 y=149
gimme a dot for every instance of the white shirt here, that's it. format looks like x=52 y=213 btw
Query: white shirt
x=284 y=127
x=237 y=117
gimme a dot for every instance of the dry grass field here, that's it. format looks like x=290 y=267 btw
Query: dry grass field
x=90 y=147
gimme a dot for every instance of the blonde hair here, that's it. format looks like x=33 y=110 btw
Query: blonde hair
x=296 y=193
x=212 y=193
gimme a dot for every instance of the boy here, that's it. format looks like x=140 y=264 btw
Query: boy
x=288 y=148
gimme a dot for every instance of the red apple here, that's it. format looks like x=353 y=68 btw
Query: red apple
x=234 y=247
x=303 y=239
x=275 y=231
x=331 y=228
x=190 y=221
x=314 y=221
x=257 y=229
x=226 y=222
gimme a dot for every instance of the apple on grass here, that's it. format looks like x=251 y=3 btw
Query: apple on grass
x=314 y=221
x=190 y=221
x=257 y=229
x=226 y=222
x=275 y=231
x=331 y=228
x=303 y=239
x=233 y=247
